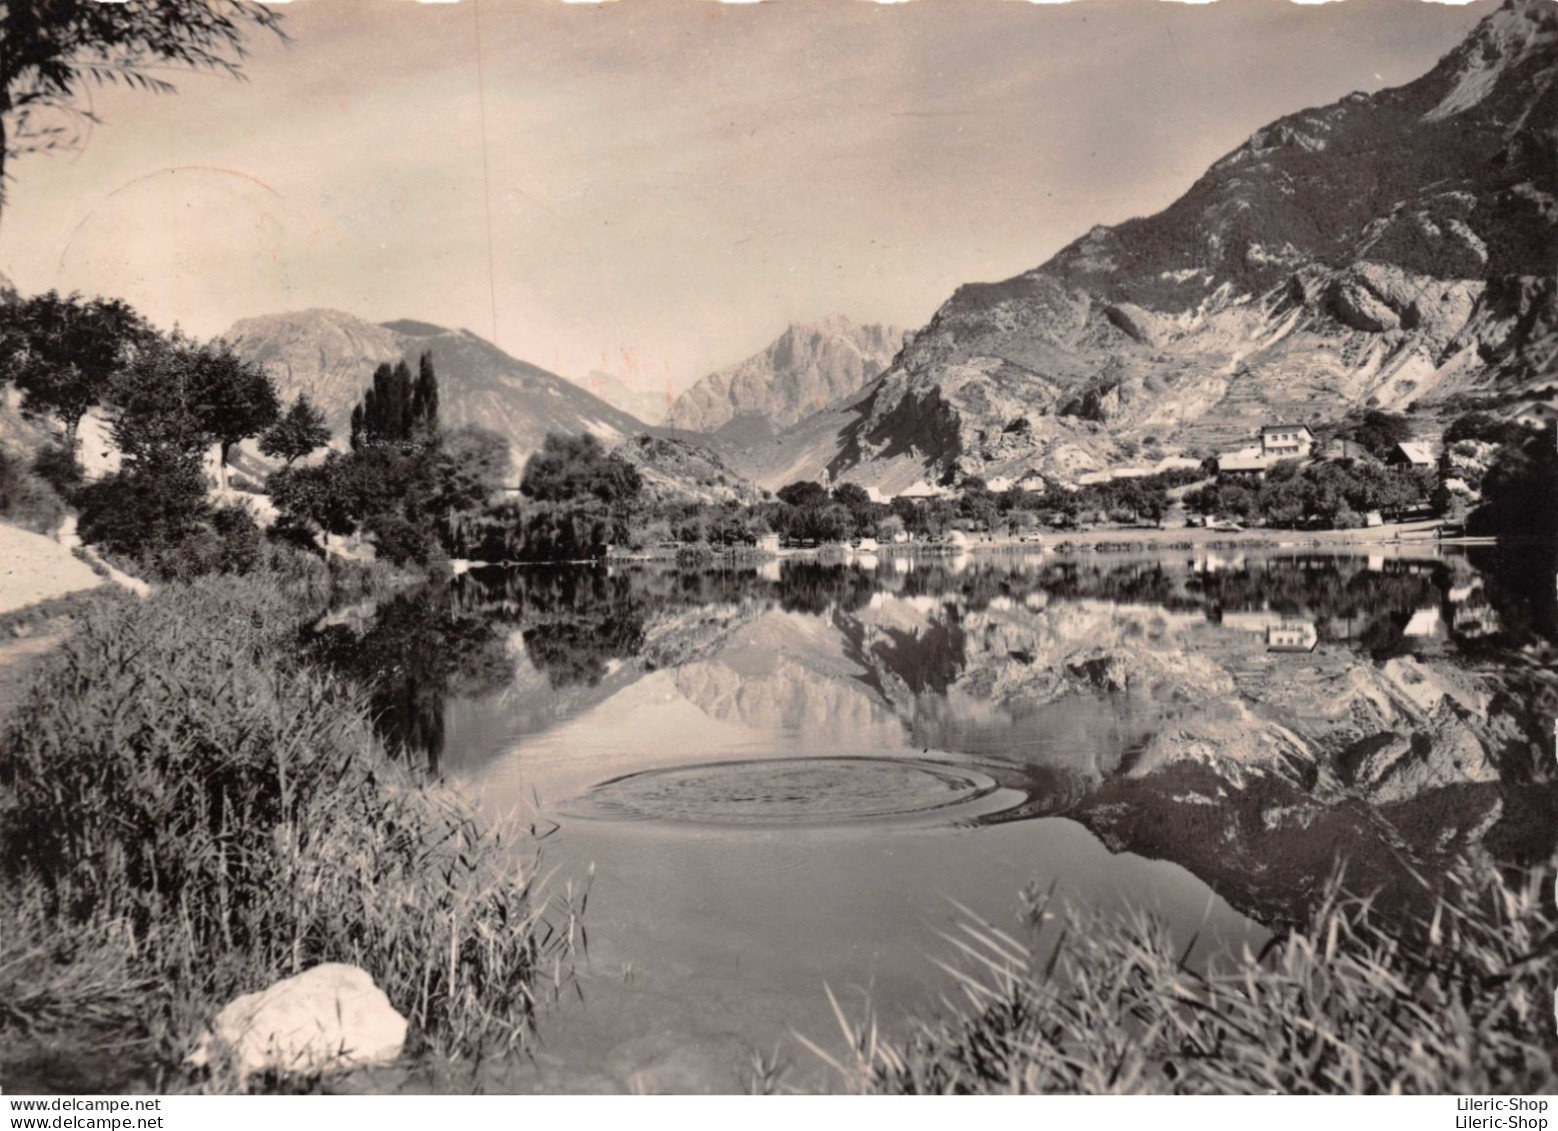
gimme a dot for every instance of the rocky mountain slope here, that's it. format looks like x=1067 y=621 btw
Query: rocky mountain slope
x=676 y=471
x=806 y=368
x=331 y=355
x=1391 y=249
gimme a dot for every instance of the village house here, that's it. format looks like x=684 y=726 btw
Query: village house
x=1412 y=453
x=1539 y=414
x=1286 y=441
x=1277 y=442
x=920 y=491
x=1244 y=462
x=1280 y=631
x=1292 y=636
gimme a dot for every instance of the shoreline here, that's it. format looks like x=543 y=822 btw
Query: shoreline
x=1422 y=535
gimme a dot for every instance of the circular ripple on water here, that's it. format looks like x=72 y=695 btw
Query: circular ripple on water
x=787 y=791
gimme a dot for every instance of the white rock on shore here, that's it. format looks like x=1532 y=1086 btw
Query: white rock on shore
x=327 y=1019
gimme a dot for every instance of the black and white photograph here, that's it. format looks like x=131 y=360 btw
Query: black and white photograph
x=577 y=548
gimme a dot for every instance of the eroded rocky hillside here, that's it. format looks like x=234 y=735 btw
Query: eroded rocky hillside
x=1391 y=249
x=805 y=369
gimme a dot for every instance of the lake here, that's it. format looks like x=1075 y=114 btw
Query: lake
x=780 y=778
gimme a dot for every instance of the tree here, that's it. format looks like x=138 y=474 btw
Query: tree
x=53 y=48
x=472 y=467
x=978 y=503
x=1376 y=431
x=236 y=398
x=853 y=496
x=1487 y=428
x=384 y=414
x=156 y=398
x=424 y=397
x=397 y=409
x=179 y=397
x=1519 y=492
x=64 y=352
x=804 y=494
x=572 y=468
x=301 y=430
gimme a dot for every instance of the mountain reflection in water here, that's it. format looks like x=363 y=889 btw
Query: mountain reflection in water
x=783 y=776
x=1248 y=716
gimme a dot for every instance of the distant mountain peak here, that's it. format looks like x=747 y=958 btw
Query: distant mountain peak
x=648 y=405
x=807 y=367
x=1518 y=32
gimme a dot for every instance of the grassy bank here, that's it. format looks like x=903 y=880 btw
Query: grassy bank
x=1348 y=1004
x=187 y=814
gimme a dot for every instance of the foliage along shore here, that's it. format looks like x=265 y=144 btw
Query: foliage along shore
x=191 y=808
x=1346 y=1004
x=189 y=812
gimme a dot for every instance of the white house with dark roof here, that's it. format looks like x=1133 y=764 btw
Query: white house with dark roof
x=1286 y=441
x=1277 y=443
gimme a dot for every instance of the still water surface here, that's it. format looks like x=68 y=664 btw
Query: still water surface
x=775 y=780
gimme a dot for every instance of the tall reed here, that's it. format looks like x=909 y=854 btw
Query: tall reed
x=1350 y=1004
x=188 y=813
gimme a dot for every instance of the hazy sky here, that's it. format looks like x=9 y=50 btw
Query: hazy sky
x=666 y=183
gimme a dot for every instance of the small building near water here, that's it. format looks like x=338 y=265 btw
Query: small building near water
x=768 y=543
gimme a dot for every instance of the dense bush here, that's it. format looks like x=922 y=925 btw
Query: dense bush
x=1520 y=492
x=57 y=466
x=1487 y=428
x=175 y=776
x=158 y=515
x=579 y=499
x=27 y=499
x=383 y=492
x=418 y=492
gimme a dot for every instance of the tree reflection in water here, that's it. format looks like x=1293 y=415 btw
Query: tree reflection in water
x=422 y=646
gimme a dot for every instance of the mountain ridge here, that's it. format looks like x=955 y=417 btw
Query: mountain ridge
x=1390 y=249
x=331 y=355
x=809 y=366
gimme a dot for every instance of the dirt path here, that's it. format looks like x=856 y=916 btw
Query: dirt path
x=34 y=568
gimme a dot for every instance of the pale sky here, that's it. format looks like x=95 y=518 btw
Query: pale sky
x=667 y=183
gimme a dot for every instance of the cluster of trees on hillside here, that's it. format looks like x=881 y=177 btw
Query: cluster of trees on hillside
x=1335 y=494
x=807 y=512
x=418 y=491
x=169 y=400
x=1375 y=431
x=413 y=487
x=1520 y=490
